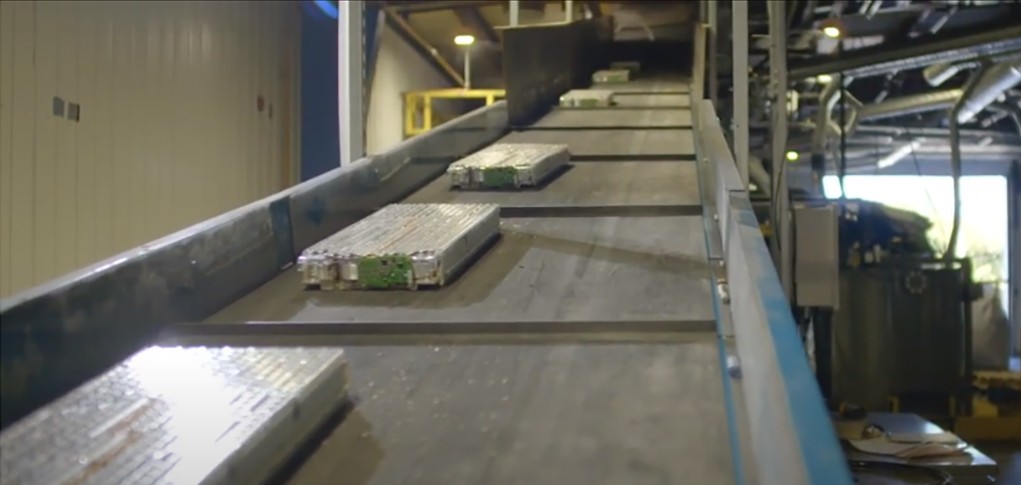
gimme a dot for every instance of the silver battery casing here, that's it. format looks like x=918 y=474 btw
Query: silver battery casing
x=611 y=76
x=632 y=66
x=587 y=98
x=197 y=415
x=402 y=246
x=508 y=165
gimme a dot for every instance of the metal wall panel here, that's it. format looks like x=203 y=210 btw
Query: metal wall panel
x=170 y=132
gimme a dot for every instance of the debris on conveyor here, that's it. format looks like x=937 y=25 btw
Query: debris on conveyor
x=587 y=98
x=630 y=66
x=401 y=246
x=508 y=166
x=179 y=415
x=611 y=76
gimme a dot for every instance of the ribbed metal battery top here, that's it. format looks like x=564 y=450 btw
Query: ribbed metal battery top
x=166 y=415
x=409 y=229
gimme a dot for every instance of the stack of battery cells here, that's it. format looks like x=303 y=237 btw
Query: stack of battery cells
x=611 y=76
x=206 y=415
x=508 y=166
x=587 y=98
x=402 y=246
x=632 y=66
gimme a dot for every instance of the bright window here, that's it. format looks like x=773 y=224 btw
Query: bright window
x=983 y=233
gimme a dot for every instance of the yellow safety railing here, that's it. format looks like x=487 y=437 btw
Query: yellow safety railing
x=418 y=105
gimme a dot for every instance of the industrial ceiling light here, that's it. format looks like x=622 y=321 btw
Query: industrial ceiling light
x=464 y=40
x=831 y=31
x=824 y=79
x=793 y=155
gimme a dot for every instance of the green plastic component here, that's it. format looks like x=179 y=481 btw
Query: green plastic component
x=384 y=272
x=499 y=177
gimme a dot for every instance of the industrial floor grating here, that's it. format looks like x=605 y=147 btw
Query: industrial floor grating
x=402 y=246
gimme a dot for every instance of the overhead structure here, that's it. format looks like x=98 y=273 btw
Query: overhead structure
x=351 y=80
x=640 y=252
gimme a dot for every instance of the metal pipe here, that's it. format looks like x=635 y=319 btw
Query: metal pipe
x=904 y=105
x=568 y=10
x=513 y=11
x=990 y=85
x=911 y=55
x=757 y=173
x=739 y=34
x=467 y=67
x=898 y=154
x=351 y=58
x=782 y=237
x=955 y=158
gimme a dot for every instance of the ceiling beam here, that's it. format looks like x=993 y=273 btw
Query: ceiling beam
x=432 y=6
x=471 y=19
x=417 y=42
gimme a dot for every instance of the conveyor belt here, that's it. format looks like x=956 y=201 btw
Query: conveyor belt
x=602 y=118
x=590 y=183
x=618 y=239
x=549 y=413
x=614 y=144
x=655 y=101
x=579 y=269
x=654 y=85
x=530 y=414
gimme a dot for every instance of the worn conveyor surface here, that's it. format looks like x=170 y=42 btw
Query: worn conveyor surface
x=615 y=238
x=617 y=117
x=614 y=144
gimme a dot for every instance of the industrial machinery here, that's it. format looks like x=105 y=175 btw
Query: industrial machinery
x=891 y=322
x=628 y=326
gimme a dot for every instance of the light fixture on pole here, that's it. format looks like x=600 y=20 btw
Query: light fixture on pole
x=466 y=41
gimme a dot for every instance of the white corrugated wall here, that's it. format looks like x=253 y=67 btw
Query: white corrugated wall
x=171 y=130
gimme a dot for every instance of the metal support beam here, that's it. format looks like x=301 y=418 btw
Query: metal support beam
x=781 y=241
x=513 y=12
x=351 y=95
x=714 y=36
x=740 y=72
x=881 y=59
x=568 y=11
x=471 y=19
x=1014 y=254
x=408 y=33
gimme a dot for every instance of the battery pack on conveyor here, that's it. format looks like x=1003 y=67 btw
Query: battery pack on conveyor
x=587 y=98
x=508 y=165
x=611 y=76
x=402 y=246
x=179 y=415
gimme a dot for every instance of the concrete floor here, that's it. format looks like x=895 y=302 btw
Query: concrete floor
x=1008 y=456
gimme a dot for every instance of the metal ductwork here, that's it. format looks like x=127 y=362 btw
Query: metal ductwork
x=823 y=117
x=905 y=105
x=882 y=59
x=757 y=173
x=941 y=72
x=990 y=85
